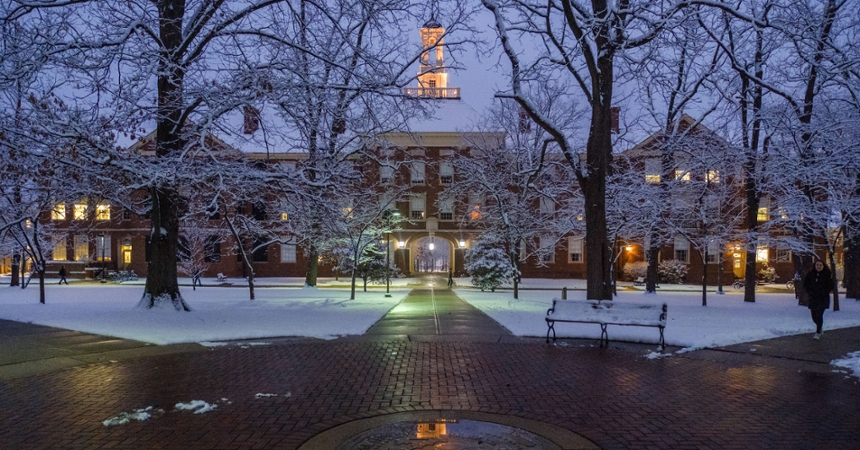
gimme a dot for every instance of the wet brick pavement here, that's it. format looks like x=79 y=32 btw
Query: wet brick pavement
x=732 y=398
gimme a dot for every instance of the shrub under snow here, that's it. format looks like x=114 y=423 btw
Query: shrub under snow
x=672 y=271
x=489 y=266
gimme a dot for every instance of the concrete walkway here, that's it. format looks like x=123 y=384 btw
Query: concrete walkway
x=433 y=312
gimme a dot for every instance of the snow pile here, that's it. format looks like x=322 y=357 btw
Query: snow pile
x=261 y=395
x=138 y=414
x=198 y=406
x=850 y=362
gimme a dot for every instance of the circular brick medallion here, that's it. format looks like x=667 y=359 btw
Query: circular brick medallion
x=447 y=429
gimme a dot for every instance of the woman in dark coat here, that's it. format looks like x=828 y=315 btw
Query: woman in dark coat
x=818 y=284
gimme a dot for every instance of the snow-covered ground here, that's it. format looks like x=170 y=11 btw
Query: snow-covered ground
x=225 y=313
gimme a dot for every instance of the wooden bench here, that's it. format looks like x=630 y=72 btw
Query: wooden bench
x=606 y=313
x=639 y=281
x=220 y=277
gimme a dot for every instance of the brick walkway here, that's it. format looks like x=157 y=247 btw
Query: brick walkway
x=722 y=399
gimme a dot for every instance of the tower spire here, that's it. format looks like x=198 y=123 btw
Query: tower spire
x=432 y=73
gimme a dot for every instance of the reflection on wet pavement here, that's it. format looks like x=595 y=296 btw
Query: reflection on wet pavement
x=446 y=434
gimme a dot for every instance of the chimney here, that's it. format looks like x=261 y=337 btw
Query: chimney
x=252 y=119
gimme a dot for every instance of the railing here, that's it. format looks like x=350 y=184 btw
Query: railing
x=432 y=92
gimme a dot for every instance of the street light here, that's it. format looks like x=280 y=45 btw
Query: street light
x=102 y=238
x=388 y=253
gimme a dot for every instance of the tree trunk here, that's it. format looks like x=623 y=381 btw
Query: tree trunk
x=251 y=280
x=16 y=268
x=162 y=286
x=851 y=256
x=652 y=274
x=313 y=267
x=42 y=285
x=598 y=157
x=835 y=280
x=352 y=285
x=705 y=278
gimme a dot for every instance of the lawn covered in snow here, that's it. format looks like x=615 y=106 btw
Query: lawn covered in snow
x=218 y=313
x=726 y=320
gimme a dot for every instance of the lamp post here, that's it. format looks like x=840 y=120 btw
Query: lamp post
x=388 y=254
x=102 y=239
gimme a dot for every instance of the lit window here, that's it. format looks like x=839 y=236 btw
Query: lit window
x=125 y=249
x=682 y=175
x=59 y=212
x=102 y=211
x=761 y=254
x=714 y=176
x=763 y=214
x=475 y=214
x=80 y=211
x=579 y=217
x=652 y=170
x=60 y=250
x=82 y=248
x=285 y=216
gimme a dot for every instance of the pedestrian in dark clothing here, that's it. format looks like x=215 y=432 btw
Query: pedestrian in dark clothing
x=818 y=284
x=450 y=278
x=63 y=276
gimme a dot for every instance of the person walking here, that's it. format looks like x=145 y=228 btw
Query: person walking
x=818 y=284
x=450 y=277
x=63 y=276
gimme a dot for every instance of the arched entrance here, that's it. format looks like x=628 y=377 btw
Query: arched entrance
x=431 y=254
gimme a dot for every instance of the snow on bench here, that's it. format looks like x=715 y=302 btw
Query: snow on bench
x=606 y=313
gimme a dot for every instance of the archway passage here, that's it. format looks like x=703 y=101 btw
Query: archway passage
x=431 y=254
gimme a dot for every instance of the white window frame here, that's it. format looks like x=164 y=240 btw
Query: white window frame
x=386 y=174
x=289 y=253
x=446 y=207
x=574 y=247
x=418 y=172
x=417 y=207
x=547 y=206
x=446 y=172
x=682 y=245
x=546 y=243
